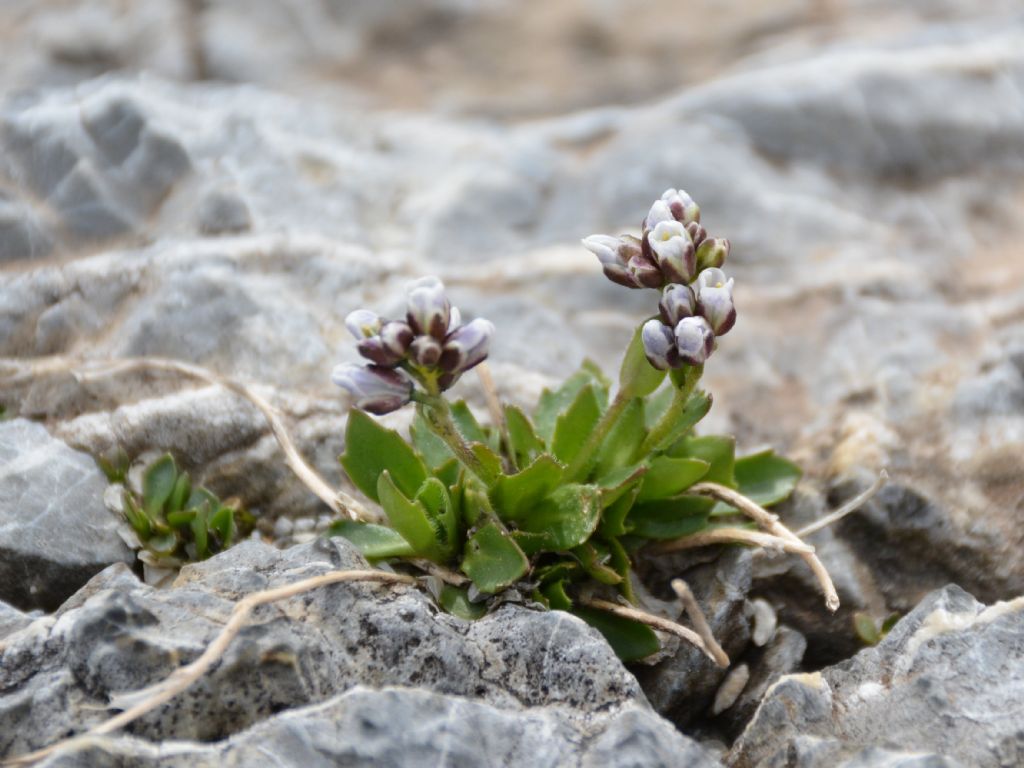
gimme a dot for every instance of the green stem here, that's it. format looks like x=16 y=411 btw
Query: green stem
x=438 y=416
x=581 y=463
x=689 y=377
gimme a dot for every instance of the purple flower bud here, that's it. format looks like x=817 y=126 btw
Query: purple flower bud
x=694 y=340
x=681 y=206
x=467 y=346
x=714 y=300
x=425 y=351
x=374 y=350
x=673 y=251
x=677 y=302
x=427 y=309
x=396 y=337
x=623 y=261
x=374 y=389
x=697 y=233
x=454 y=319
x=659 y=345
x=712 y=253
x=362 y=323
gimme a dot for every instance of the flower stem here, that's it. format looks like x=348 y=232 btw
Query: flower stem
x=438 y=415
x=686 y=382
x=577 y=470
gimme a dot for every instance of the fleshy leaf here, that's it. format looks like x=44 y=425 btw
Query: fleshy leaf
x=670 y=518
x=433 y=497
x=137 y=518
x=764 y=478
x=613 y=519
x=555 y=595
x=575 y=425
x=553 y=402
x=158 y=484
x=490 y=460
x=375 y=542
x=370 y=449
x=621 y=564
x=595 y=560
x=623 y=441
x=182 y=490
x=434 y=451
x=630 y=640
x=468 y=426
x=526 y=446
x=493 y=560
x=696 y=408
x=201 y=530
x=455 y=600
x=223 y=523
x=563 y=520
x=718 y=450
x=409 y=518
x=637 y=377
x=668 y=477
x=515 y=496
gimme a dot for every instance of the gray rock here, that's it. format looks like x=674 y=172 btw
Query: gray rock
x=11 y=619
x=405 y=727
x=682 y=686
x=539 y=674
x=55 y=532
x=223 y=211
x=945 y=681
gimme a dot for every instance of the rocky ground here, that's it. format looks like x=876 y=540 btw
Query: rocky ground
x=222 y=182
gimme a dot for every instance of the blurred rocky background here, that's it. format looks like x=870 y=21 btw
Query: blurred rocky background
x=221 y=181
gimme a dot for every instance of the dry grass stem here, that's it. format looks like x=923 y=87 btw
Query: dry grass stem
x=497 y=414
x=655 y=622
x=729 y=536
x=700 y=622
x=851 y=506
x=771 y=523
x=146 y=700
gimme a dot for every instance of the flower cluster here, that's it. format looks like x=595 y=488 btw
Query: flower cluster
x=674 y=253
x=430 y=346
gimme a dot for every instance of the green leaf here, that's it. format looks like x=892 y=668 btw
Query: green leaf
x=492 y=560
x=718 y=450
x=613 y=519
x=434 y=451
x=526 y=446
x=764 y=478
x=370 y=449
x=201 y=529
x=637 y=377
x=620 y=563
x=567 y=570
x=623 y=441
x=575 y=425
x=455 y=600
x=490 y=460
x=668 y=477
x=468 y=426
x=617 y=483
x=553 y=403
x=866 y=629
x=515 y=496
x=595 y=559
x=433 y=497
x=163 y=543
x=222 y=522
x=409 y=518
x=180 y=518
x=657 y=404
x=448 y=473
x=375 y=542
x=670 y=518
x=201 y=495
x=555 y=596
x=563 y=520
x=475 y=504
x=631 y=640
x=182 y=490
x=137 y=518
x=158 y=483
x=696 y=408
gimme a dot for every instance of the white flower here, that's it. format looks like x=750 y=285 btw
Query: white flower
x=694 y=340
x=673 y=250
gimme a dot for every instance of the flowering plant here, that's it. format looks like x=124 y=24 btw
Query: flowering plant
x=556 y=506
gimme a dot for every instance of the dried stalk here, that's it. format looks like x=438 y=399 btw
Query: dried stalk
x=729 y=536
x=851 y=506
x=655 y=622
x=700 y=622
x=771 y=523
x=497 y=414
x=146 y=700
x=339 y=501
